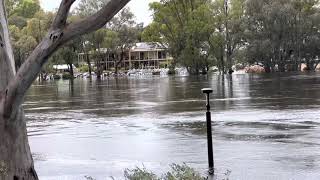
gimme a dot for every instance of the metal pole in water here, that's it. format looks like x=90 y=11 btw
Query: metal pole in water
x=208 y=91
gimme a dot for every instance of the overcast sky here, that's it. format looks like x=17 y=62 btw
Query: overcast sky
x=139 y=7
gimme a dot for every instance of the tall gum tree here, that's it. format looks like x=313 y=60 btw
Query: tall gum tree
x=16 y=161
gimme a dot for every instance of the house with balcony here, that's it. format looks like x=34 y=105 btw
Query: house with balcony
x=148 y=56
x=144 y=55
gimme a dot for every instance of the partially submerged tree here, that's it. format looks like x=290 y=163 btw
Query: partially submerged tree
x=127 y=34
x=68 y=55
x=184 y=26
x=15 y=157
x=283 y=33
x=91 y=41
x=124 y=35
x=96 y=41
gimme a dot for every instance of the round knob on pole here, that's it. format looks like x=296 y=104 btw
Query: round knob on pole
x=206 y=90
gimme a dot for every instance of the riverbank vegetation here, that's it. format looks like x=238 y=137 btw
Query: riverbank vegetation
x=29 y=23
x=176 y=172
x=279 y=35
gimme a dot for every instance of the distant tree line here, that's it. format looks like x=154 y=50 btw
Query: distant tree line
x=277 y=34
x=29 y=23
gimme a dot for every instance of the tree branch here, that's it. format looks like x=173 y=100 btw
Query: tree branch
x=62 y=14
x=5 y=39
x=58 y=35
x=96 y=21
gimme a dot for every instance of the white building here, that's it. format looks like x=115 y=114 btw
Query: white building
x=144 y=55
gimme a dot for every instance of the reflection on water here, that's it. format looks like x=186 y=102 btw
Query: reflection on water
x=265 y=126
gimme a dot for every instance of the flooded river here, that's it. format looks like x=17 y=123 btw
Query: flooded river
x=265 y=126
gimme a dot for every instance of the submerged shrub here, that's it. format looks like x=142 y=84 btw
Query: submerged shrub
x=89 y=178
x=84 y=68
x=177 y=172
x=139 y=174
x=56 y=76
x=182 y=172
x=67 y=76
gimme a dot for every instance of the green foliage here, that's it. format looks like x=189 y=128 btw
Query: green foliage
x=283 y=32
x=28 y=30
x=204 y=33
x=138 y=174
x=111 y=40
x=68 y=53
x=17 y=21
x=198 y=33
x=56 y=76
x=84 y=68
x=185 y=27
x=28 y=24
x=120 y=34
x=89 y=7
x=177 y=172
x=151 y=33
x=123 y=32
x=89 y=178
x=23 y=8
x=26 y=44
x=38 y=25
x=182 y=172
x=67 y=76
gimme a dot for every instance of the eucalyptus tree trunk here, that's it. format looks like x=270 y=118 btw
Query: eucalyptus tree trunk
x=118 y=63
x=88 y=63
x=15 y=156
x=228 y=39
x=71 y=70
x=16 y=161
x=98 y=63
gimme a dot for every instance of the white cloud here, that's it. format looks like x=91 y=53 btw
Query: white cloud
x=140 y=8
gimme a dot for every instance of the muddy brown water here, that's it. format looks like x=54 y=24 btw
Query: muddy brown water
x=265 y=126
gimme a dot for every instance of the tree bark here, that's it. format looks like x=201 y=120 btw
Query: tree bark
x=71 y=70
x=86 y=53
x=119 y=62
x=15 y=156
x=16 y=161
x=98 y=63
x=228 y=40
x=89 y=64
x=222 y=69
x=98 y=66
